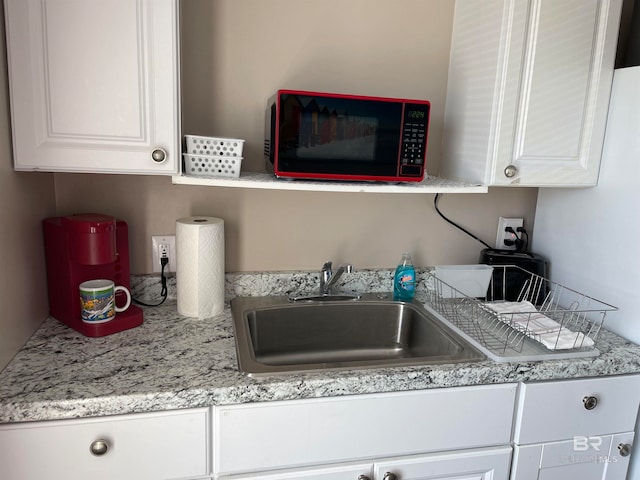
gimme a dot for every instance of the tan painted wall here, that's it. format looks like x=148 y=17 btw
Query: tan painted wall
x=282 y=230
x=236 y=54
x=26 y=198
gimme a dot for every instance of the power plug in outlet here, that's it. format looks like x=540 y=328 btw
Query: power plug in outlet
x=163 y=245
x=503 y=224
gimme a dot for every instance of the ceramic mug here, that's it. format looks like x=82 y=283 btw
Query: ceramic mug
x=98 y=300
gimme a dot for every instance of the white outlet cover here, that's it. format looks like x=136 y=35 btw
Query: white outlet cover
x=504 y=222
x=156 y=241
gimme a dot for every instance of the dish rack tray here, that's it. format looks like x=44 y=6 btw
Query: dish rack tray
x=536 y=320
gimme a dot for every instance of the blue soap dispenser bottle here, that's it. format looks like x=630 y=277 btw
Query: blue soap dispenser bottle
x=404 y=280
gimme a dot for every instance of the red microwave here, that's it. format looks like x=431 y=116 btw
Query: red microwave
x=330 y=136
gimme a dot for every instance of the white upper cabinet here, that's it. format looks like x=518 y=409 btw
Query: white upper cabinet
x=94 y=85
x=528 y=91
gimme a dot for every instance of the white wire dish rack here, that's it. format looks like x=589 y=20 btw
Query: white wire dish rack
x=537 y=320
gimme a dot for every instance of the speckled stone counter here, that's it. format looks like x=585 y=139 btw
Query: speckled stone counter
x=173 y=362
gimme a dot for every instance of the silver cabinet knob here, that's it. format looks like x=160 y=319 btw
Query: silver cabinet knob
x=390 y=476
x=159 y=155
x=99 y=447
x=590 y=402
x=510 y=171
x=624 y=449
x=363 y=477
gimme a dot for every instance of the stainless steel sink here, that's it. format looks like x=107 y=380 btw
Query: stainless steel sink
x=274 y=335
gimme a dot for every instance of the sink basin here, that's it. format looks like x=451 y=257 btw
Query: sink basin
x=274 y=335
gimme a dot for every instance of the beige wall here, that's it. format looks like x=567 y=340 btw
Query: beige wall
x=26 y=198
x=236 y=54
x=282 y=230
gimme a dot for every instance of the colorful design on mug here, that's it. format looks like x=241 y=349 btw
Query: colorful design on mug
x=97 y=306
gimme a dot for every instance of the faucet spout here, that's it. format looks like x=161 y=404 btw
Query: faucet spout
x=328 y=279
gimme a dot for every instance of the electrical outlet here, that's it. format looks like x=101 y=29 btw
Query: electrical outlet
x=503 y=235
x=163 y=245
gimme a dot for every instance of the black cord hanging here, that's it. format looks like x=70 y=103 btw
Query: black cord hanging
x=163 y=291
x=435 y=204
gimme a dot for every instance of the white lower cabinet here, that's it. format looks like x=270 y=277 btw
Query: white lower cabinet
x=167 y=445
x=461 y=433
x=477 y=464
x=576 y=429
x=587 y=458
x=569 y=429
x=566 y=429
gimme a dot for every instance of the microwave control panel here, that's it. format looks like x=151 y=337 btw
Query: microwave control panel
x=414 y=138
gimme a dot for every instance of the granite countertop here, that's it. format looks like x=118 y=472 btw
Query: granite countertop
x=173 y=362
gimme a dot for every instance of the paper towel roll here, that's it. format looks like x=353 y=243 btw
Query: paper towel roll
x=200 y=266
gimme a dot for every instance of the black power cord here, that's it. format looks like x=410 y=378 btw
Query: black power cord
x=520 y=244
x=435 y=204
x=164 y=261
x=516 y=241
x=526 y=236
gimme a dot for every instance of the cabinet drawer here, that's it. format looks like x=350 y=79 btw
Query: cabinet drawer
x=552 y=411
x=258 y=437
x=165 y=445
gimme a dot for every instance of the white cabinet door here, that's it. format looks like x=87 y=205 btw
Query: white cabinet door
x=528 y=91
x=94 y=85
x=569 y=428
x=480 y=464
x=586 y=458
x=343 y=471
x=619 y=456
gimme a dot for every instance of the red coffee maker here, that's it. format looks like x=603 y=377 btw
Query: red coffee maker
x=87 y=247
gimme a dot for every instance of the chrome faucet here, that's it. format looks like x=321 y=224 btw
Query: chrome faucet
x=328 y=279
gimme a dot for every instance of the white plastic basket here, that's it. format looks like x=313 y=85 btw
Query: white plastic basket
x=212 y=165
x=466 y=280
x=214 y=146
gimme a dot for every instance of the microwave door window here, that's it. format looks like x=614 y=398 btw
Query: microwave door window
x=332 y=135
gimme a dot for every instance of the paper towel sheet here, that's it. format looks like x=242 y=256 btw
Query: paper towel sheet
x=200 y=266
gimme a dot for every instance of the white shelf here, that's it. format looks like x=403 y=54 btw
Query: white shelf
x=269 y=182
